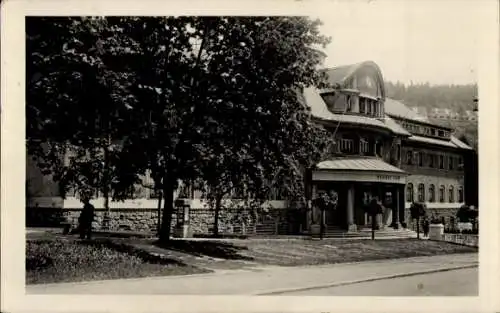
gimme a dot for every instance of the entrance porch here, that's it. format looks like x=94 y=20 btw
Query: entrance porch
x=356 y=182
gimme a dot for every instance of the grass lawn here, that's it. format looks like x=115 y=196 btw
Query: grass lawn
x=307 y=252
x=293 y=253
x=71 y=260
x=53 y=258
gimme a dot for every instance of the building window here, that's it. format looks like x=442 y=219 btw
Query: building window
x=460 y=194
x=451 y=195
x=346 y=145
x=362 y=105
x=432 y=194
x=409 y=157
x=441 y=193
x=432 y=164
x=409 y=192
x=364 y=147
x=450 y=163
x=421 y=193
x=186 y=192
x=420 y=159
x=441 y=162
x=349 y=100
x=374 y=108
x=379 y=149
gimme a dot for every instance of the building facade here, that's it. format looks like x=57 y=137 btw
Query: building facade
x=383 y=149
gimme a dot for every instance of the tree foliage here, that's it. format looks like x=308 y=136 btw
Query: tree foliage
x=467 y=214
x=187 y=97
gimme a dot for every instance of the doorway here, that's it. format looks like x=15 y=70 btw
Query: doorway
x=337 y=217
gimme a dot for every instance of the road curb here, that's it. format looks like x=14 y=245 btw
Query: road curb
x=357 y=281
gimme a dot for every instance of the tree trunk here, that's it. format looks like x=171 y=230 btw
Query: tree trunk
x=418 y=227
x=158 y=228
x=218 y=201
x=106 y=221
x=374 y=224
x=168 y=209
x=322 y=225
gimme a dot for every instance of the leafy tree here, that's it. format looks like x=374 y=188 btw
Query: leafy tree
x=238 y=84
x=467 y=214
x=76 y=100
x=168 y=86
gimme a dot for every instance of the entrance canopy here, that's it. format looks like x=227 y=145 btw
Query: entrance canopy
x=361 y=169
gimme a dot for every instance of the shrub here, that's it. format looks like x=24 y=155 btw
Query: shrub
x=470 y=232
x=417 y=209
x=467 y=214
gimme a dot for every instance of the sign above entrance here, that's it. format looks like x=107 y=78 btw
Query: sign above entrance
x=389 y=178
x=360 y=176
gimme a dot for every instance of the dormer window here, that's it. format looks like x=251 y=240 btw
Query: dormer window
x=348 y=101
x=330 y=98
x=362 y=105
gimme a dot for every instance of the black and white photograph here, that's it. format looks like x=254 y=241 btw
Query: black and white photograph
x=316 y=152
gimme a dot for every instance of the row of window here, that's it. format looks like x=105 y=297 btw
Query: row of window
x=347 y=146
x=432 y=193
x=367 y=106
x=370 y=107
x=425 y=130
x=432 y=160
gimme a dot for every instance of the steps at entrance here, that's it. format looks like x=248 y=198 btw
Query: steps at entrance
x=390 y=232
x=337 y=232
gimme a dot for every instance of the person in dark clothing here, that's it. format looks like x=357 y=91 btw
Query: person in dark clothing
x=425 y=227
x=86 y=218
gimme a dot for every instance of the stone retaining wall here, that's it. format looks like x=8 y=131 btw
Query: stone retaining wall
x=127 y=219
x=463 y=239
x=201 y=220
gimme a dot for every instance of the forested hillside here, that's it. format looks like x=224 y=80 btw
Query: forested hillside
x=458 y=98
x=455 y=97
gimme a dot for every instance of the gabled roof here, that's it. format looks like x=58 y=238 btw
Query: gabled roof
x=454 y=142
x=393 y=109
x=460 y=143
x=395 y=127
x=399 y=109
x=339 y=75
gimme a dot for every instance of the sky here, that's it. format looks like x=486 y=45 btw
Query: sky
x=412 y=41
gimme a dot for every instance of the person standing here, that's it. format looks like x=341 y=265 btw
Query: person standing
x=425 y=227
x=86 y=218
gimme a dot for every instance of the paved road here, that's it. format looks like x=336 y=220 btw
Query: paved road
x=462 y=282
